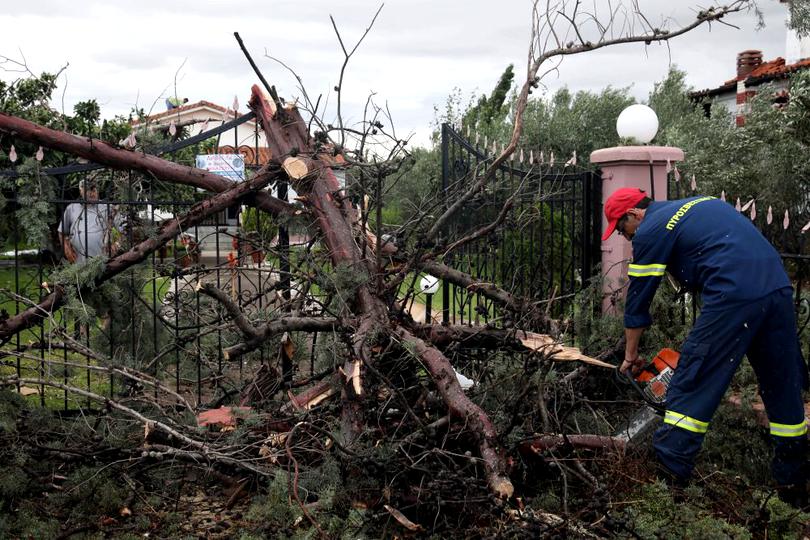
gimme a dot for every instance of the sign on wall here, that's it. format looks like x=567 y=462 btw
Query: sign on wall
x=231 y=166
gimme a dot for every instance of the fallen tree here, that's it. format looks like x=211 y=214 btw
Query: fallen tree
x=392 y=382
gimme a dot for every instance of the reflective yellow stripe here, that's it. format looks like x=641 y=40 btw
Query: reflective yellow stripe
x=644 y=270
x=685 y=422
x=789 y=430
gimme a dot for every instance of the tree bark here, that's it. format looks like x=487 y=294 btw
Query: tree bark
x=488 y=289
x=287 y=324
x=542 y=443
x=287 y=137
x=472 y=336
x=105 y=154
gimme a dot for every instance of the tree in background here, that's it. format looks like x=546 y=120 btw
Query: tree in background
x=766 y=160
x=30 y=98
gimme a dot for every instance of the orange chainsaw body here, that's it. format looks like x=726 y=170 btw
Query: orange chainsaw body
x=656 y=376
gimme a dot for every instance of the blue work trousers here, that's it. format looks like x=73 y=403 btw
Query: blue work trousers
x=765 y=331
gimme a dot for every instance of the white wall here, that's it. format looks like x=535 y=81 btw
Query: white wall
x=796 y=48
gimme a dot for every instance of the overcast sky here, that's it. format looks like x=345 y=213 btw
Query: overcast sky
x=126 y=53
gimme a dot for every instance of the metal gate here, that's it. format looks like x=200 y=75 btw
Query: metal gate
x=546 y=250
x=164 y=334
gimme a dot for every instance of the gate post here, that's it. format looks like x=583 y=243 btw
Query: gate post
x=643 y=167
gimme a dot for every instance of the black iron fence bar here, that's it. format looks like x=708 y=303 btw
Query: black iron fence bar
x=459 y=140
x=554 y=256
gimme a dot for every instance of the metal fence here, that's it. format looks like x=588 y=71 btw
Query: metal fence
x=547 y=248
x=149 y=318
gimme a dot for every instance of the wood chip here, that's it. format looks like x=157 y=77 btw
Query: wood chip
x=224 y=417
x=402 y=520
x=288 y=344
x=558 y=352
x=312 y=402
x=357 y=384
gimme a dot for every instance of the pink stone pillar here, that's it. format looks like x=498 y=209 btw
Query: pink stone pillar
x=644 y=167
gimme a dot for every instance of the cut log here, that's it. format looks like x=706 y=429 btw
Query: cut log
x=298 y=168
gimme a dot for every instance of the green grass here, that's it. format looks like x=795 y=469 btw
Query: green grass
x=468 y=310
x=36 y=362
x=28 y=280
x=156 y=288
x=35 y=366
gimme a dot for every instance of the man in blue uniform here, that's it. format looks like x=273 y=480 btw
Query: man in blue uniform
x=709 y=247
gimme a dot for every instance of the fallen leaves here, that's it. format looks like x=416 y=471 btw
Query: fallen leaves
x=402 y=520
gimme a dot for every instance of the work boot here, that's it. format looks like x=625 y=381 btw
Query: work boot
x=675 y=484
x=669 y=478
x=794 y=494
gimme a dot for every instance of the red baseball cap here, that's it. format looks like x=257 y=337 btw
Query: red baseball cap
x=617 y=205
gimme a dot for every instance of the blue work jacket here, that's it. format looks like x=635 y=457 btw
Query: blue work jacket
x=709 y=248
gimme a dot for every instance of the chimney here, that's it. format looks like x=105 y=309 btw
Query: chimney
x=748 y=61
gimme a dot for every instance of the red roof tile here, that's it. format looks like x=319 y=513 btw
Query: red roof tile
x=777 y=68
x=766 y=71
x=765 y=68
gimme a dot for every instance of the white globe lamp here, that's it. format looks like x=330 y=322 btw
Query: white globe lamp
x=637 y=122
x=429 y=284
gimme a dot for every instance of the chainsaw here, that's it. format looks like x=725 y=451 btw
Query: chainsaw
x=651 y=383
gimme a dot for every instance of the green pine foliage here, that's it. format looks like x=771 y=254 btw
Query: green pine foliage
x=656 y=515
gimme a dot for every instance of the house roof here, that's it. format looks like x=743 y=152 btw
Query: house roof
x=178 y=111
x=766 y=71
x=329 y=158
x=775 y=69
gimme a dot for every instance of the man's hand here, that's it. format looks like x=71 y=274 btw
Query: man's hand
x=67 y=248
x=631 y=359
x=632 y=362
